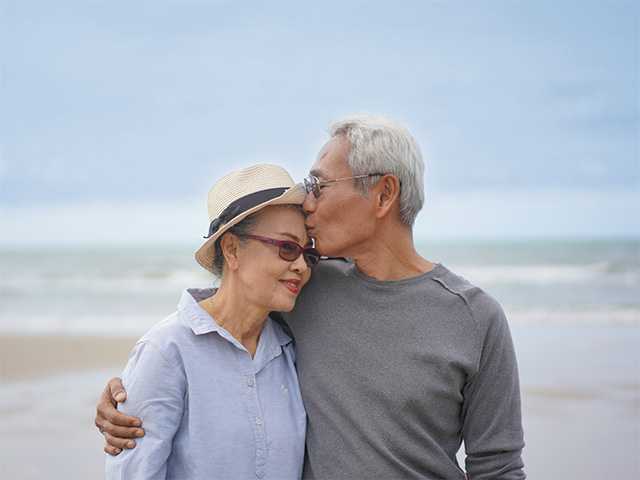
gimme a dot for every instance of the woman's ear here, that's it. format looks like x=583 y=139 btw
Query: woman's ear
x=230 y=245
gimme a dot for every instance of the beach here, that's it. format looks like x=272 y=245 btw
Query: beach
x=575 y=326
x=580 y=410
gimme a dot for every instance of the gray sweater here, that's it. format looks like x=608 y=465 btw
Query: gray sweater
x=394 y=375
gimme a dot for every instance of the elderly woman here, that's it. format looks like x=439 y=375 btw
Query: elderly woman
x=216 y=381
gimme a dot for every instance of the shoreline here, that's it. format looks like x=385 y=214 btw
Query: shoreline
x=26 y=357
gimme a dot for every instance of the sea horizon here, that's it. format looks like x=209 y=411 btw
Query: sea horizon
x=126 y=289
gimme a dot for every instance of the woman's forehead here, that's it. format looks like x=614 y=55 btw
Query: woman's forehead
x=283 y=219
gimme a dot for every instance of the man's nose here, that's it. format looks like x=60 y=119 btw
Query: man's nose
x=309 y=204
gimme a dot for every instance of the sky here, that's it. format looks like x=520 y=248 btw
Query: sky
x=117 y=117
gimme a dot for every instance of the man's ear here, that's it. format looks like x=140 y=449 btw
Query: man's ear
x=387 y=192
x=230 y=245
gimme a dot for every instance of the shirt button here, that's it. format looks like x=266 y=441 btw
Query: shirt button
x=260 y=473
x=250 y=381
x=258 y=421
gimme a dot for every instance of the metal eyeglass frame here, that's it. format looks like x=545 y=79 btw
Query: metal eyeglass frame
x=313 y=183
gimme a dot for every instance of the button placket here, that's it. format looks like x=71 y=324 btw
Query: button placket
x=261 y=446
x=257 y=420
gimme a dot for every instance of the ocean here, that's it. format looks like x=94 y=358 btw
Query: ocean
x=123 y=291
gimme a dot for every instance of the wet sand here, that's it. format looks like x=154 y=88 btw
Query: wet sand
x=26 y=357
x=580 y=391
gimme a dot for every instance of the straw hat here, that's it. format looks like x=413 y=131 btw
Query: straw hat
x=241 y=193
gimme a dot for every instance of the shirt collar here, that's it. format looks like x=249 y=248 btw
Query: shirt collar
x=201 y=322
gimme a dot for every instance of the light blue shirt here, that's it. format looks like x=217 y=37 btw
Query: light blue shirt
x=210 y=411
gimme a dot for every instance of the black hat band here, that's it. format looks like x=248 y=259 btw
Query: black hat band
x=241 y=205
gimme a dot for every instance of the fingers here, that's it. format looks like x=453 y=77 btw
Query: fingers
x=118 y=429
x=116 y=390
x=113 y=451
x=113 y=416
x=121 y=432
x=106 y=412
x=118 y=443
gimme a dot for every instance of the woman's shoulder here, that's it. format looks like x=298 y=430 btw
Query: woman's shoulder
x=168 y=337
x=180 y=327
x=155 y=368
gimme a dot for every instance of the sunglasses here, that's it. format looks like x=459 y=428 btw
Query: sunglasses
x=289 y=250
x=313 y=184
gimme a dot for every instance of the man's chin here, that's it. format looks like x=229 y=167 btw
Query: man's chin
x=325 y=252
x=317 y=244
x=325 y=248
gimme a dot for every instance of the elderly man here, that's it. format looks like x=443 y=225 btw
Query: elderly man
x=399 y=359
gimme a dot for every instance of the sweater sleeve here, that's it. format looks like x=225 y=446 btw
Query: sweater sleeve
x=492 y=424
x=155 y=392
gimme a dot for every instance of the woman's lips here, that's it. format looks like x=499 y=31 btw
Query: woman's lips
x=292 y=285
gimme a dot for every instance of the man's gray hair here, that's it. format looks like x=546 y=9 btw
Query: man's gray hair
x=379 y=145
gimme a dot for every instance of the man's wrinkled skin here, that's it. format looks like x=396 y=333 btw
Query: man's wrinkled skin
x=118 y=429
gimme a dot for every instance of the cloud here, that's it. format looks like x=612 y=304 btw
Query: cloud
x=142 y=102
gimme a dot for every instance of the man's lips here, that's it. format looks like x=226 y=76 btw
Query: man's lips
x=292 y=285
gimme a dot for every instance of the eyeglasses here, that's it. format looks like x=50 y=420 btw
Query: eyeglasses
x=314 y=184
x=289 y=250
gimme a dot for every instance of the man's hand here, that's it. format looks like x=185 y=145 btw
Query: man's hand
x=118 y=429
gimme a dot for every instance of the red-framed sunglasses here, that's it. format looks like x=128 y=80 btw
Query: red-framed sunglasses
x=289 y=250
